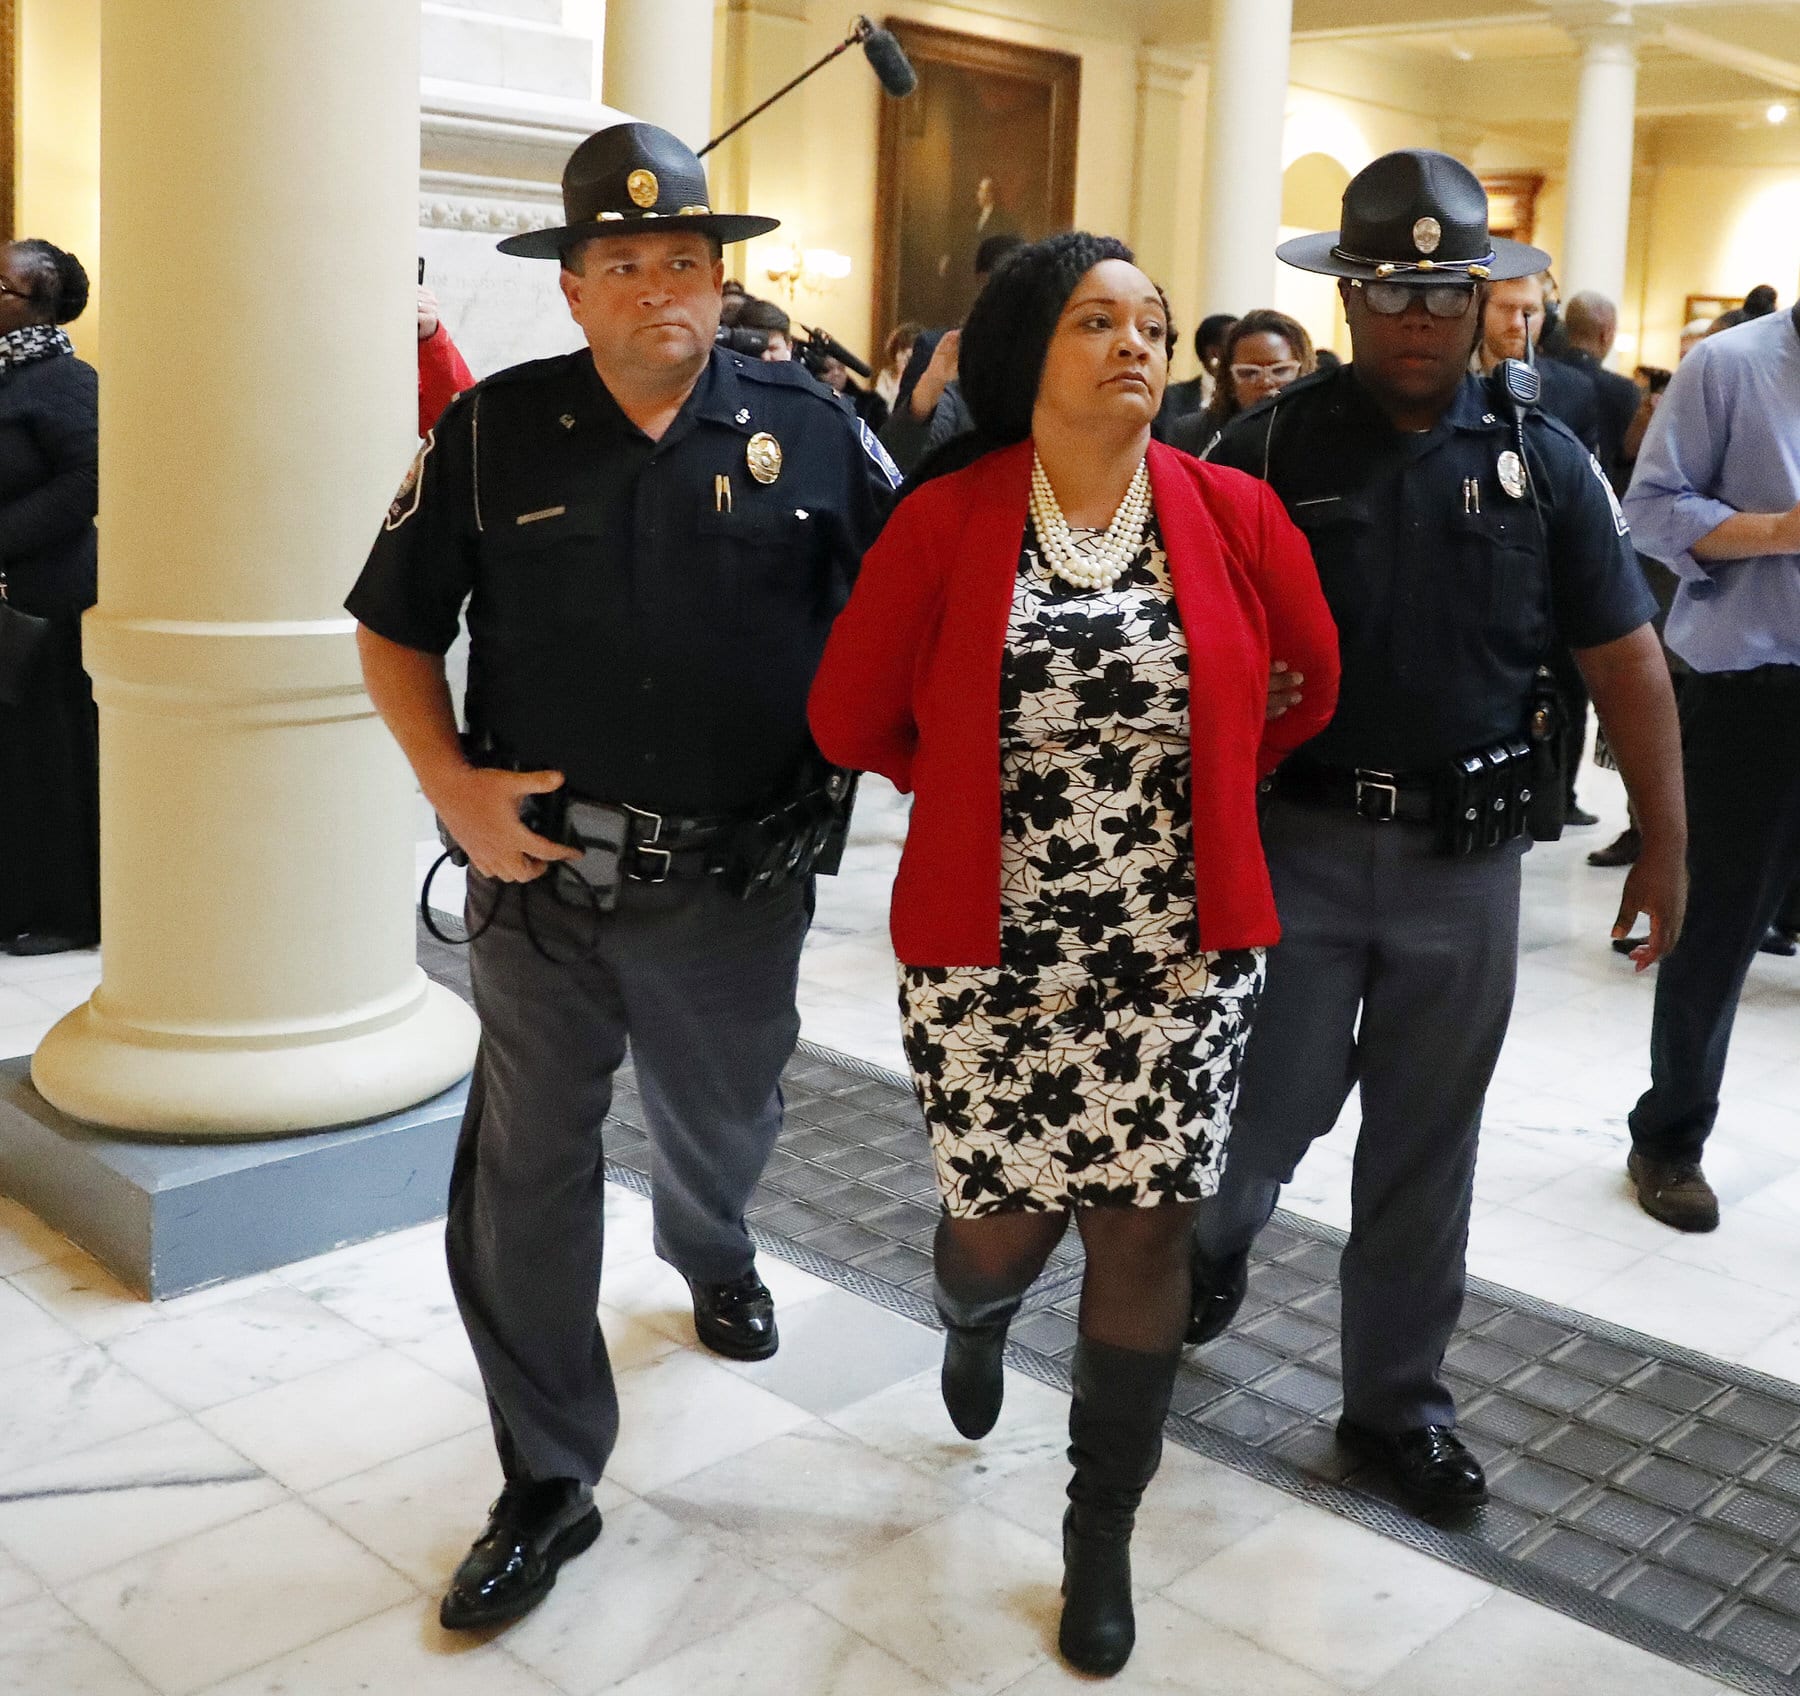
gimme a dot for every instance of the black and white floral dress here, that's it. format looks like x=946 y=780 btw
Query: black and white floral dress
x=1097 y=1065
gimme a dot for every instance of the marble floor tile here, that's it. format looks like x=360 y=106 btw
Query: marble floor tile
x=684 y=1411
x=969 y=1601
x=83 y=1512
x=838 y=1349
x=401 y=1650
x=46 y=1651
x=1180 y=1655
x=1193 y=1509
x=1599 y=1201
x=1339 y=1600
x=1693 y=1307
x=653 y=1291
x=805 y=1504
x=231 y=1598
x=25 y=1240
x=79 y=1293
x=27 y=1331
x=17 y=1583
x=647 y=1590
x=1508 y=1645
x=908 y=1423
x=1747 y=1246
x=1553 y=1261
x=446 y=1352
x=22 y=1039
x=60 y=1403
x=237 y=1347
x=1777 y=1355
x=345 y=1419
x=791 y=1650
x=397 y=1290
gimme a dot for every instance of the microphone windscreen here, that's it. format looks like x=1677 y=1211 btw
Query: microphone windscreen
x=891 y=63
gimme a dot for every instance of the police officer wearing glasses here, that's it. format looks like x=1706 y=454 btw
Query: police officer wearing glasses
x=652 y=536
x=1458 y=531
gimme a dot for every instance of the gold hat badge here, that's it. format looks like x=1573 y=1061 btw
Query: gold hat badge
x=643 y=188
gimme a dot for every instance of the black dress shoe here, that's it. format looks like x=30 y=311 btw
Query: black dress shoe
x=531 y=1531
x=28 y=944
x=1218 y=1287
x=736 y=1320
x=1623 y=850
x=1779 y=942
x=1579 y=816
x=1429 y=1468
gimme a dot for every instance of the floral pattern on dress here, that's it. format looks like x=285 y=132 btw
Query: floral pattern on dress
x=1098 y=1064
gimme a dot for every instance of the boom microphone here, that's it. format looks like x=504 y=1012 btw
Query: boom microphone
x=890 y=62
x=825 y=342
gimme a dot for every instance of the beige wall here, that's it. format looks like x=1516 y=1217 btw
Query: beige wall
x=59 y=138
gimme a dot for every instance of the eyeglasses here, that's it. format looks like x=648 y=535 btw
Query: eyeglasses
x=1279 y=375
x=1442 y=300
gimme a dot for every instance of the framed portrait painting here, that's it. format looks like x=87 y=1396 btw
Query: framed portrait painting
x=985 y=148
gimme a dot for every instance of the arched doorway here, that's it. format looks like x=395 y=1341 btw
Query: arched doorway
x=1312 y=193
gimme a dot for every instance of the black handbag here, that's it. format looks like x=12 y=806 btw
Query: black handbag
x=21 y=638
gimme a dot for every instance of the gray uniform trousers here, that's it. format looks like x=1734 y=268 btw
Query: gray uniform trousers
x=701 y=986
x=1395 y=975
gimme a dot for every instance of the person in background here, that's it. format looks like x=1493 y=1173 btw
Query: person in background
x=928 y=409
x=442 y=373
x=1327 y=360
x=1760 y=302
x=1693 y=333
x=1511 y=319
x=1263 y=352
x=895 y=356
x=773 y=322
x=1590 y=327
x=865 y=403
x=1195 y=395
x=1075 y=996
x=1716 y=497
x=49 y=494
x=731 y=301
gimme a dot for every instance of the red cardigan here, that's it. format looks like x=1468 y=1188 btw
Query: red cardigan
x=910 y=685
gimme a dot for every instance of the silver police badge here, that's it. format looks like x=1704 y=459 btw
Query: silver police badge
x=1512 y=474
x=1427 y=234
x=764 y=457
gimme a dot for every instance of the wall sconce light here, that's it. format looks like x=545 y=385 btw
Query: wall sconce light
x=1777 y=114
x=811 y=270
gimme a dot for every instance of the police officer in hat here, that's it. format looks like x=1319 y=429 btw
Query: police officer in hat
x=1458 y=532
x=652 y=537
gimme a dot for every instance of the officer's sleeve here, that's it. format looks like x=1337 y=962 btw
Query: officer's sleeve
x=874 y=481
x=1597 y=589
x=422 y=566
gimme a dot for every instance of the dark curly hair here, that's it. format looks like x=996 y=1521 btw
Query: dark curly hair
x=1006 y=339
x=58 y=282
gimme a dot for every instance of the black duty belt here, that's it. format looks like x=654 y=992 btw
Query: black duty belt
x=649 y=847
x=1383 y=797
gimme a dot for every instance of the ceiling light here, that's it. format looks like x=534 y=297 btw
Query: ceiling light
x=1777 y=114
x=1460 y=52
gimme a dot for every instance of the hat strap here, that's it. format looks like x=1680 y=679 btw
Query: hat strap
x=1384 y=268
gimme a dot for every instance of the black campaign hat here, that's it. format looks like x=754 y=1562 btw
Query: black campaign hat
x=1414 y=217
x=628 y=179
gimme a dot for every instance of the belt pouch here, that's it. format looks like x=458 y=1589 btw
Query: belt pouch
x=1546 y=813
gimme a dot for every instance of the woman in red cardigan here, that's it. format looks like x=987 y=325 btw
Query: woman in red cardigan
x=1064 y=650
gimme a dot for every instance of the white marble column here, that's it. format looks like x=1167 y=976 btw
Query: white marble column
x=259 y=210
x=1601 y=148
x=1246 y=110
x=657 y=64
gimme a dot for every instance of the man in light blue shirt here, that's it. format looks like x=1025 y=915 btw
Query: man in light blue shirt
x=1716 y=496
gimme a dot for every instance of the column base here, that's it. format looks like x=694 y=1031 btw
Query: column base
x=227 y=1088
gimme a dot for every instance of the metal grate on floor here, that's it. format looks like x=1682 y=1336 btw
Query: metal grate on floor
x=1640 y=1488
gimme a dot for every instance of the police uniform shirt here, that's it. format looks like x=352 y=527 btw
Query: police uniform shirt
x=644 y=617
x=1447 y=591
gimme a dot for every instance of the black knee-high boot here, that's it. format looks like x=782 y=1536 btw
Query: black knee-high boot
x=974 y=1343
x=1115 y=1443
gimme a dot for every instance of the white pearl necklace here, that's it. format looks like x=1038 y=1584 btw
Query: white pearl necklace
x=1120 y=546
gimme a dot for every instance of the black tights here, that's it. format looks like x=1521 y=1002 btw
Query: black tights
x=1135 y=1293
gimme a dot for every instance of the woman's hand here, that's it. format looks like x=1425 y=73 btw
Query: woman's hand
x=1284 y=689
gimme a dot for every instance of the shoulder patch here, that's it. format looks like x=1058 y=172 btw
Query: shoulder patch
x=1612 y=498
x=884 y=463
x=406 y=501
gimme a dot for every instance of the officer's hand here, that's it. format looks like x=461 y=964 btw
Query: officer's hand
x=480 y=808
x=1656 y=886
x=1284 y=689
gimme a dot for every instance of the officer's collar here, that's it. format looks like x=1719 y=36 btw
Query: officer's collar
x=725 y=397
x=1473 y=407
x=714 y=396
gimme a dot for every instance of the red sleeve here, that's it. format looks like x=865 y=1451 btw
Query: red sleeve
x=861 y=709
x=442 y=377
x=1302 y=634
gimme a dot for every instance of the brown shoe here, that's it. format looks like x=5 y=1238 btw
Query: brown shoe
x=1623 y=850
x=1674 y=1191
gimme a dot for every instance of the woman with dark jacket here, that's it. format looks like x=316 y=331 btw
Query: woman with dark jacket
x=1063 y=648
x=49 y=493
